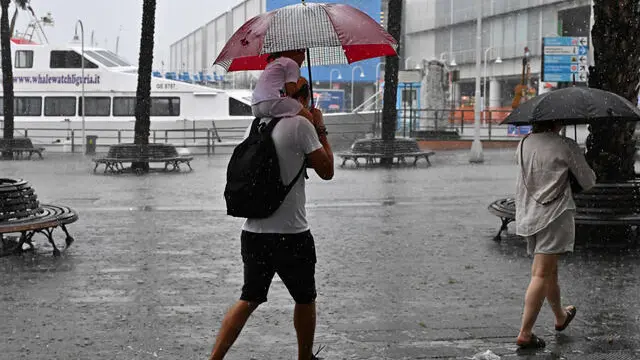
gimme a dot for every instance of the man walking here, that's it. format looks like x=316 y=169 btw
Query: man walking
x=282 y=243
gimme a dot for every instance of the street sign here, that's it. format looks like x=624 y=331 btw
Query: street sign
x=565 y=59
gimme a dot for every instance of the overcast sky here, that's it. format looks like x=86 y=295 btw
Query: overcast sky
x=174 y=19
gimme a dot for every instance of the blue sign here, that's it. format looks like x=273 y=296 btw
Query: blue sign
x=565 y=59
x=329 y=101
x=513 y=130
x=329 y=73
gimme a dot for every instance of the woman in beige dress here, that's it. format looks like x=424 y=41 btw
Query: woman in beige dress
x=545 y=218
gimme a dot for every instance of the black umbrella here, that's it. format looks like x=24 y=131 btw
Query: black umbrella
x=574 y=105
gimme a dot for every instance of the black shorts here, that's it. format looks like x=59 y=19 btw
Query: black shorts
x=291 y=256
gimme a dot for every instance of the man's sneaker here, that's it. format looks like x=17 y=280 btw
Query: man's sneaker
x=315 y=356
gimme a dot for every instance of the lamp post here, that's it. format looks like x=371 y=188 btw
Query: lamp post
x=406 y=62
x=84 y=109
x=484 y=84
x=353 y=72
x=331 y=77
x=378 y=69
x=476 y=155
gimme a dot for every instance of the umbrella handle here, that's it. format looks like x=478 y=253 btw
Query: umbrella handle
x=310 y=78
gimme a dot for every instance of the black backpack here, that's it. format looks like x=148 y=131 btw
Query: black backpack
x=254 y=186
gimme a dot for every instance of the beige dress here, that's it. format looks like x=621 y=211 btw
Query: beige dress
x=544 y=202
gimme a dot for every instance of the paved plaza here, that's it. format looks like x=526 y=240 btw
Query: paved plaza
x=407 y=269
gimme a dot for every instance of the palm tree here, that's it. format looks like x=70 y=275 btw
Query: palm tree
x=20 y=5
x=389 y=112
x=7 y=74
x=616 y=38
x=143 y=93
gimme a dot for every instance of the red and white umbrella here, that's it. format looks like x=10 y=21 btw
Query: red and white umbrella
x=332 y=33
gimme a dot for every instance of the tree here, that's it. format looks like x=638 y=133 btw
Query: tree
x=391 y=68
x=7 y=74
x=143 y=93
x=20 y=5
x=616 y=44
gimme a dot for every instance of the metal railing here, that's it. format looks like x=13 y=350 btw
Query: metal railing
x=412 y=121
x=202 y=140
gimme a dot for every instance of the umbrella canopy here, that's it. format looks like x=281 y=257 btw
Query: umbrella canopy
x=574 y=105
x=333 y=33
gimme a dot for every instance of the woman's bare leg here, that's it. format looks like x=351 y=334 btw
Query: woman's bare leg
x=541 y=274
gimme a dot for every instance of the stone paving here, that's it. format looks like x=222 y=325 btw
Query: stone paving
x=407 y=269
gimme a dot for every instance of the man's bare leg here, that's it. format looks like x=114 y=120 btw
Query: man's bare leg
x=304 y=320
x=541 y=272
x=232 y=325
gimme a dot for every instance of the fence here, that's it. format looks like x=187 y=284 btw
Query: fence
x=200 y=140
x=411 y=121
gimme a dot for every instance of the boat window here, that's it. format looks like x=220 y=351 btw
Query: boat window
x=124 y=106
x=24 y=59
x=59 y=106
x=69 y=60
x=113 y=57
x=24 y=106
x=96 y=106
x=165 y=106
x=101 y=59
x=238 y=108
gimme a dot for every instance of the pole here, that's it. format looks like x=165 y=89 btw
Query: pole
x=476 y=155
x=84 y=109
x=310 y=78
x=484 y=79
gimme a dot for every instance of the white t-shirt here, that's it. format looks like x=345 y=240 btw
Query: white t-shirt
x=279 y=72
x=294 y=137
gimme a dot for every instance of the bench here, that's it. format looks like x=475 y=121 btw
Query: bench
x=21 y=213
x=20 y=146
x=150 y=153
x=372 y=150
x=613 y=204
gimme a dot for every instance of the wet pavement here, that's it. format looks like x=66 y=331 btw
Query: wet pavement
x=407 y=269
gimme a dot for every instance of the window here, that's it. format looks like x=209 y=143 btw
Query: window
x=165 y=106
x=96 y=106
x=124 y=106
x=59 y=106
x=160 y=106
x=24 y=59
x=68 y=60
x=101 y=59
x=24 y=106
x=113 y=57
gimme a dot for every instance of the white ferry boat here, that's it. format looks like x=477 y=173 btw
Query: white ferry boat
x=48 y=100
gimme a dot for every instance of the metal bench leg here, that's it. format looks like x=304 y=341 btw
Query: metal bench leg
x=427 y=158
x=503 y=227
x=344 y=160
x=189 y=165
x=69 y=239
x=49 y=234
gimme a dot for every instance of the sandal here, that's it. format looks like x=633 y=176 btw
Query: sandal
x=571 y=313
x=533 y=343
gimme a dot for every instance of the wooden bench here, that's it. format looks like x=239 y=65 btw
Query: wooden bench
x=19 y=146
x=21 y=213
x=372 y=150
x=614 y=204
x=120 y=154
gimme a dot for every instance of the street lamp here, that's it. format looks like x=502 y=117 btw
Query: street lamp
x=353 y=77
x=331 y=77
x=476 y=155
x=484 y=85
x=84 y=109
x=378 y=69
x=406 y=62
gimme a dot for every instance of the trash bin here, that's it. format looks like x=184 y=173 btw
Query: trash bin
x=91 y=145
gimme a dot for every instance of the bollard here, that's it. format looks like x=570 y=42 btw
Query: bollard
x=119 y=136
x=73 y=141
x=166 y=136
x=26 y=132
x=490 y=121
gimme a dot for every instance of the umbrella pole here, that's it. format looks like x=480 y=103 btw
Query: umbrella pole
x=310 y=78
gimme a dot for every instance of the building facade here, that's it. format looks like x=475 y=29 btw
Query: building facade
x=196 y=51
x=447 y=30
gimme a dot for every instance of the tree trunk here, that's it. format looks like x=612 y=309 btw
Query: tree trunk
x=616 y=35
x=611 y=147
x=7 y=74
x=389 y=111
x=143 y=93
